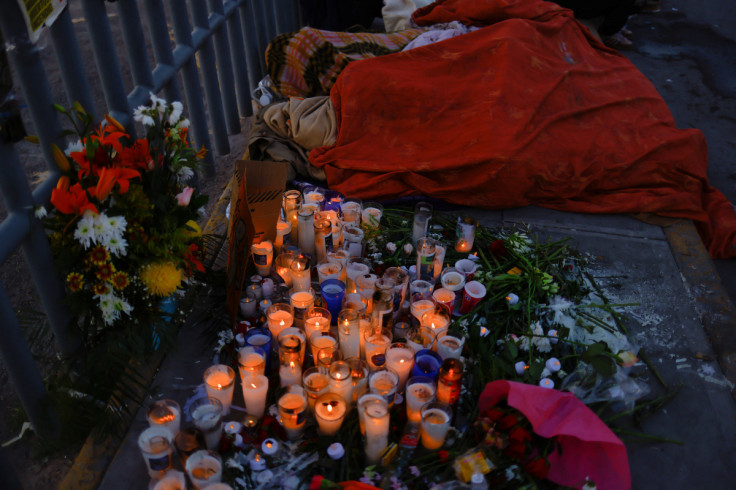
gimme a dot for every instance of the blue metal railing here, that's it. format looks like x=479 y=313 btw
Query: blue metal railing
x=224 y=45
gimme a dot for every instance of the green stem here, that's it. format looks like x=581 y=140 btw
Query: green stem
x=649 y=437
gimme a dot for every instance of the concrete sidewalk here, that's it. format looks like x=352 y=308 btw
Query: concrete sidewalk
x=636 y=263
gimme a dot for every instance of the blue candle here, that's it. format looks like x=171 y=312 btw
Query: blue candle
x=427 y=363
x=332 y=291
x=333 y=200
x=260 y=337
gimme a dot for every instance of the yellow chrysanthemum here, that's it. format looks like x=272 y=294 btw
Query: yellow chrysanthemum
x=161 y=279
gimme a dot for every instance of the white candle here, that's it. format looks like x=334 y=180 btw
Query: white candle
x=166 y=414
x=439 y=259
x=400 y=359
x=417 y=395
x=372 y=217
x=301 y=301
x=220 y=383
x=267 y=286
x=546 y=383
x=435 y=424
x=283 y=235
x=376 y=416
x=384 y=383
x=553 y=364
x=450 y=346
x=329 y=270
x=419 y=308
x=341 y=380
x=293 y=413
x=335 y=451
x=248 y=306
x=377 y=341
x=315 y=384
x=251 y=361
x=301 y=279
x=355 y=269
x=208 y=419
x=290 y=374
x=330 y=410
x=204 y=468
x=255 y=390
x=279 y=320
x=313 y=197
x=257 y=463
x=348 y=329
x=270 y=447
x=262 y=257
x=512 y=299
x=319 y=342
x=436 y=322
x=520 y=367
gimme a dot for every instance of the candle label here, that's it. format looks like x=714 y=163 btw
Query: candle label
x=448 y=392
x=389 y=397
x=260 y=259
x=328 y=242
x=426 y=266
x=301 y=417
x=161 y=463
x=287 y=237
x=300 y=313
x=379 y=359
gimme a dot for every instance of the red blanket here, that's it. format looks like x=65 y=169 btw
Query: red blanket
x=528 y=110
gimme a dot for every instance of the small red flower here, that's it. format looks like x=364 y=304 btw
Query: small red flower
x=495 y=414
x=100 y=288
x=316 y=482
x=520 y=434
x=538 y=468
x=498 y=248
x=99 y=255
x=75 y=281
x=120 y=280
x=515 y=450
x=105 y=272
x=508 y=422
x=443 y=455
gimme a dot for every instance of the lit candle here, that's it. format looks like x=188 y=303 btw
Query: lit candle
x=335 y=451
x=384 y=382
x=329 y=270
x=293 y=341
x=166 y=414
x=314 y=196
x=553 y=364
x=426 y=363
x=512 y=299
x=449 y=383
x=321 y=340
x=293 y=412
x=316 y=319
x=372 y=213
x=172 y=480
x=552 y=334
x=248 y=306
x=420 y=390
x=280 y=316
x=268 y=287
x=301 y=274
x=283 y=267
x=341 y=381
x=262 y=257
x=270 y=446
x=377 y=341
x=251 y=361
x=264 y=304
x=520 y=367
x=359 y=375
x=256 y=291
x=207 y=416
x=233 y=427
x=376 y=420
x=290 y=374
x=419 y=308
x=330 y=410
x=351 y=213
x=283 y=235
x=400 y=358
x=436 y=418
x=255 y=390
x=450 y=345
x=436 y=320
x=316 y=384
x=420 y=338
x=426 y=251
x=356 y=267
x=546 y=383
x=301 y=301
x=354 y=237
x=465 y=232
x=444 y=298
x=348 y=329
x=439 y=259
x=204 y=468
x=332 y=292
x=454 y=280
x=156 y=448
x=341 y=257
x=257 y=463
x=220 y=383
x=260 y=337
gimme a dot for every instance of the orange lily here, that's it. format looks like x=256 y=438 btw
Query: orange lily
x=137 y=155
x=104 y=185
x=60 y=158
x=71 y=200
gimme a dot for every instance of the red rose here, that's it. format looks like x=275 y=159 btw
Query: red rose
x=495 y=414
x=498 y=248
x=538 y=468
x=316 y=482
x=242 y=327
x=515 y=450
x=520 y=434
x=508 y=422
x=443 y=455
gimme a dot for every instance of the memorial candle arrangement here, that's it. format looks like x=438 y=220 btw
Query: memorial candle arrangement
x=465 y=233
x=348 y=328
x=219 y=381
x=279 y=317
x=377 y=423
x=255 y=389
x=400 y=358
x=301 y=274
x=292 y=408
x=330 y=410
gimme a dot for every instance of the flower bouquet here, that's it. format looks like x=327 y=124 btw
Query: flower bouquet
x=123 y=228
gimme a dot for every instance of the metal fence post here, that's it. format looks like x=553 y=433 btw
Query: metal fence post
x=224 y=67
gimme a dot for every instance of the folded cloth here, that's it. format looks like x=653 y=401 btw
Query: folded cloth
x=586 y=447
x=529 y=109
x=397 y=13
x=309 y=122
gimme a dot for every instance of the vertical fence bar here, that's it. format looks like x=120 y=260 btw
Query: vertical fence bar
x=108 y=66
x=66 y=49
x=247 y=22
x=8 y=477
x=206 y=57
x=161 y=44
x=224 y=68
x=259 y=21
x=190 y=79
x=26 y=63
x=240 y=66
x=135 y=45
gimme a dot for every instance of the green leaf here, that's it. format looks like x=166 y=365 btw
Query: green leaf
x=594 y=350
x=603 y=365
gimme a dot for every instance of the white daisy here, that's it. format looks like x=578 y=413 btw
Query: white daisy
x=85 y=233
x=40 y=212
x=73 y=147
x=183 y=175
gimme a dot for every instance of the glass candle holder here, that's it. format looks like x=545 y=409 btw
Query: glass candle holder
x=341 y=257
x=354 y=301
x=315 y=382
x=420 y=299
x=450 y=344
x=420 y=338
x=188 y=441
x=290 y=204
x=449 y=382
x=219 y=381
x=364 y=400
x=376 y=416
x=401 y=330
x=439 y=259
x=327 y=356
x=385 y=382
x=425 y=258
x=290 y=364
x=465 y=233
x=377 y=340
x=166 y=414
x=348 y=329
x=359 y=374
x=401 y=281
x=383 y=303
x=332 y=292
x=283 y=266
x=357 y=266
x=323 y=240
x=255 y=389
x=292 y=408
x=466 y=267
x=420 y=390
x=341 y=381
x=372 y=212
x=444 y=298
x=316 y=318
x=400 y=358
x=262 y=257
x=260 y=337
x=305 y=220
x=426 y=363
x=353 y=241
x=352 y=210
x=328 y=269
x=437 y=320
x=279 y=316
x=330 y=410
x=365 y=285
x=283 y=236
x=322 y=340
x=314 y=195
x=473 y=293
x=207 y=415
x=155 y=444
x=251 y=361
x=301 y=301
x=436 y=417
x=290 y=338
x=204 y=468
x=333 y=201
x=422 y=217
x=301 y=273
x=248 y=305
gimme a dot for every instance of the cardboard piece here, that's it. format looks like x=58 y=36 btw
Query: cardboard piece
x=255 y=205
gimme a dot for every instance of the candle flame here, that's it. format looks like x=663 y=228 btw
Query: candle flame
x=329 y=408
x=557 y=363
x=258 y=457
x=282 y=323
x=433 y=325
x=269 y=444
x=316 y=324
x=219 y=386
x=291 y=364
x=338 y=375
x=253 y=385
x=526 y=367
x=401 y=361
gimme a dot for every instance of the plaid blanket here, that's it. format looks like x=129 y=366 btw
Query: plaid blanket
x=307 y=63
